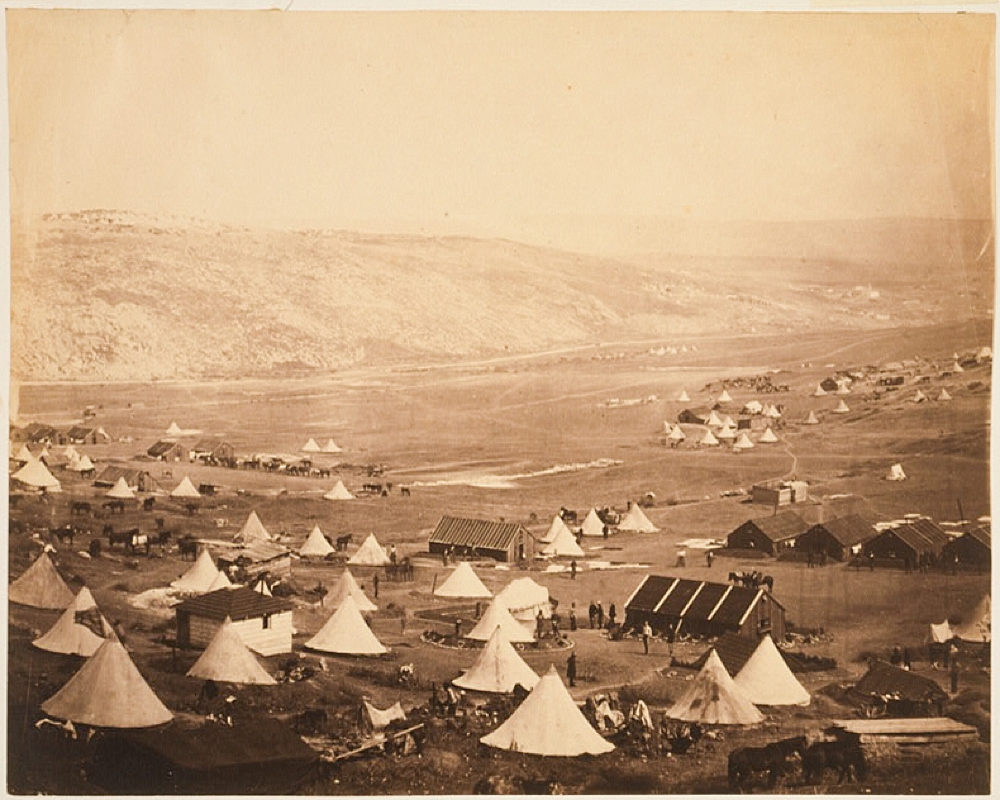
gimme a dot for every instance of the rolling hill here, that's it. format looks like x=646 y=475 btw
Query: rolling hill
x=102 y=295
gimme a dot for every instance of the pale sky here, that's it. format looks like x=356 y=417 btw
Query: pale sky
x=477 y=121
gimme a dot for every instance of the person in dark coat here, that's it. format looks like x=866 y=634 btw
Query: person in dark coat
x=600 y=615
x=572 y=616
x=954 y=675
x=571 y=669
x=593 y=615
x=572 y=569
x=612 y=613
x=375 y=585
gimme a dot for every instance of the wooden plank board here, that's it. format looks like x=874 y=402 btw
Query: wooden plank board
x=904 y=726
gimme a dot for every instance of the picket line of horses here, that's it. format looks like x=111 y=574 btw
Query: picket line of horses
x=778 y=759
x=752 y=580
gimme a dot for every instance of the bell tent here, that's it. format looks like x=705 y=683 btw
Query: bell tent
x=636 y=521
x=346 y=587
x=842 y=408
x=724 y=398
x=524 y=599
x=36 y=475
x=315 y=545
x=338 y=492
x=714 y=420
x=820 y=391
x=463 y=583
x=498 y=669
x=726 y=434
x=70 y=636
x=743 y=442
x=498 y=616
x=677 y=435
x=253 y=530
x=185 y=489
x=593 y=525
x=370 y=554
x=896 y=473
x=310 y=447
x=919 y=397
x=199 y=577
x=174 y=430
x=709 y=439
x=121 y=490
x=769 y=437
x=713 y=699
x=346 y=633
x=41 y=586
x=944 y=395
x=548 y=723
x=811 y=419
x=228 y=660
x=108 y=692
x=683 y=397
x=331 y=447
x=563 y=545
x=767 y=680
x=555 y=530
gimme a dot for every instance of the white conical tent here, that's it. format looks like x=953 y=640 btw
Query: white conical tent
x=496 y=616
x=709 y=439
x=743 y=442
x=548 y=723
x=811 y=419
x=728 y=421
x=370 y=554
x=338 y=492
x=713 y=699
x=714 y=420
x=843 y=388
x=820 y=391
x=71 y=453
x=896 y=473
x=24 y=455
x=347 y=633
x=956 y=367
x=174 y=430
x=70 y=637
x=316 y=545
x=108 y=692
x=976 y=628
x=199 y=577
x=185 y=489
x=767 y=680
x=310 y=447
x=36 y=475
x=753 y=407
x=769 y=437
x=555 y=530
x=121 y=490
x=635 y=520
x=944 y=395
x=524 y=598
x=772 y=412
x=841 y=408
x=83 y=465
x=220 y=581
x=331 y=447
x=348 y=587
x=229 y=660
x=498 y=669
x=463 y=583
x=563 y=545
x=261 y=587
x=683 y=397
x=726 y=433
x=667 y=428
x=40 y=586
x=677 y=434
x=593 y=525
x=919 y=397
x=253 y=530
x=724 y=398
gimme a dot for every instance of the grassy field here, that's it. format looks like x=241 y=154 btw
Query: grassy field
x=442 y=429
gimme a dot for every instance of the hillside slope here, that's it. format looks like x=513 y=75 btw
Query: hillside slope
x=108 y=295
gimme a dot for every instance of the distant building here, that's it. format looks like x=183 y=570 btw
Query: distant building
x=704 y=609
x=894 y=546
x=503 y=541
x=973 y=549
x=838 y=538
x=779 y=493
x=264 y=623
x=167 y=451
x=137 y=479
x=212 y=449
x=694 y=416
x=35 y=433
x=83 y=434
x=768 y=534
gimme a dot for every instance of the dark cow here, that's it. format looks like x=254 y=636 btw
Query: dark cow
x=148 y=503
x=772 y=758
x=114 y=505
x=81 y=507
x=846 y=757
x=344 y=541
x=188 y=546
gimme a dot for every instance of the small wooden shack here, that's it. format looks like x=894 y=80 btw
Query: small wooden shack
x=264 y=623
x=503 y=541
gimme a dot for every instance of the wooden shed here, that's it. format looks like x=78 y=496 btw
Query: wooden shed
x=210 y=450
x=166 y=450
x=894 y=546
x=838 y=538
x=703 y=609
x=503 y=541
x=972 y=549
x=768 y=534
x=264 y=623
x=137 y=479
x=779 y=493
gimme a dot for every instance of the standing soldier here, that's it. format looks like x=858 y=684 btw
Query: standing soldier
x=572 y=616
x=375 y=584
x=572 y=569
x=593 y=615
x=600 y=615
x=646 y=633
x=571 y=669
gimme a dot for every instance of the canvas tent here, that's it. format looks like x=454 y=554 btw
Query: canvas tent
x=463 y=583
x=753 y=407
x=24 y=455
x=331 y=447
x=338 y=492
x=714 y=420
x=221 y=581
x=36 y=475
x=683 y=397
x=108 y=692
x=667 y=428
x=714 y=699
x=524 y=599
x=370 y=554
x=743 y=442
x=548 y=723
x=348 y=587
x=677 y=434
x=41 y=586
x=944 y=395
x=80 y=631
x=820 y=391
x=557 y=528
x=976 y=627
x=498 y=669
x=174 y=430
x=769 y=437
x=563 y=545
x=378 y=719
x=841 y=408
x=228 y=660
x=310 y=447
x=767 y=680
x=199 y=577
x=498 y=616
x=253 y=530
x=896 y=473
x=315 y=545
x=724 y=398
x=636 y=520
x=121 y=490
x=185 y=489
x=811 y=419
x=593 y=525
x=726 y=434
x=919 y=397
x=709 y=439
x=346 y=633
x=843 y=388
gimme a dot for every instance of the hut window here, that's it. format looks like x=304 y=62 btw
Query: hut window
x=266 y=621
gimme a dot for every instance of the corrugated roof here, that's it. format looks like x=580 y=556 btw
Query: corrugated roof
x=79 y=432
x=678 y=599
x=161 y=447
x=849 y=530
x=981 y=535
x=883 y=678
x=779 y=527
x=708 y=598
x=920 y=535
x=650 y=592
x=735 y=606
x=694 y=600
x=237 y=603
x=208 y=445
x=482 y=533
x=111 y=473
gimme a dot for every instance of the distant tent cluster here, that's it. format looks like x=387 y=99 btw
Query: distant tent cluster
x=312 y=447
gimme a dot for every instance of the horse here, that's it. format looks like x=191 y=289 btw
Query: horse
x=64 y=534
x=148 y=503
x=846 y=757
x=81 y=507
x=404 y=491
x=188 y=546
x=767 y=581
x=772 y=758
x=192 y=508
x=567 y=515
x=111 y=505
x=344 y=541
x=95 y=548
